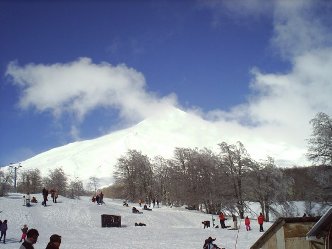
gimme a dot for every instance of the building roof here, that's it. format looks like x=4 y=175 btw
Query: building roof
x=277 y=225
x=321 y=228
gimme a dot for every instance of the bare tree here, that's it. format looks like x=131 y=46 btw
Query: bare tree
x=5 y=182
x=75 y=189
x=161 y=178
x=30 y=181
x=134 y=172
x=320 y=143
x=58 y=180
x=238 y=162
x=94 y=183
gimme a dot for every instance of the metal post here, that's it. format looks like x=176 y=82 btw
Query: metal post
x=15 y=174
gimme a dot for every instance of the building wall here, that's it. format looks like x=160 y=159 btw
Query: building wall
x=290 y=236
x=295 y=235
x=297 y=242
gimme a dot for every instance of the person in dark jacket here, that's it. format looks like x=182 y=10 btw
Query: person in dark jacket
x=45 y=194
x=32 y=237
x=3 y=229
x=208 y=244
x=55 y=241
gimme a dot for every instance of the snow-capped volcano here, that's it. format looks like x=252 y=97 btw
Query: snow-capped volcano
x=156 y=136
x=159 y=135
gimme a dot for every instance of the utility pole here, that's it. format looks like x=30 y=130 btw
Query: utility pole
x=12 y=165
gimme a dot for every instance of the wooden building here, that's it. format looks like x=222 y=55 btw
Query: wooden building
x=287 y=233
x=321 y=232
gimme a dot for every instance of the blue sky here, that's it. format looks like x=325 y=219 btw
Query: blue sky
x=224 y=60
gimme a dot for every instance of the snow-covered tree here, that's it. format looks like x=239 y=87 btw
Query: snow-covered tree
x=237 y=162
x=320 y=143
x=268 y=185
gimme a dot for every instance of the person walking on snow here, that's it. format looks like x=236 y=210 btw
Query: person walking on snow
x=260 y=222
x=222 y=220
x=3 y=229
x=24 y=230
x=247 y=223
x=45 y=194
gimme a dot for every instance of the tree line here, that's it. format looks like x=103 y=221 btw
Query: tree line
x=229 y=178
x=31 y=181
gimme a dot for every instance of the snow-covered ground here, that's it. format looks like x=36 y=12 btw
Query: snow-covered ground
x=79 y=224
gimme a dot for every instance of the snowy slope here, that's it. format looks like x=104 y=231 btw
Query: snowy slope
x=79 y=224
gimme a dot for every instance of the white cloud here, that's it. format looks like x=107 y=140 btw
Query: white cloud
x=81 y=86
x=238 y=10
x=299 y=27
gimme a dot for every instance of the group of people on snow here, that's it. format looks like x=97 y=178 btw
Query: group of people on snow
x=208 y=243
x=28 y=200
x=29 y=237
x=260 y=220
x=99 y=198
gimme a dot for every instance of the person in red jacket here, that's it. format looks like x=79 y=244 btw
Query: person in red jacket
x=247 y=223
x=260 y=222
x=222 y=220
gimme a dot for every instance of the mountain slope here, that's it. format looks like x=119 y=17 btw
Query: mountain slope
x=155 y=136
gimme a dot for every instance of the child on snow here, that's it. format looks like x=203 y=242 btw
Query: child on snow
x=247 y=223
x=24 y=230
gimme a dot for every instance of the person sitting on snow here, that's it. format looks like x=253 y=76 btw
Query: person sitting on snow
x=208 y=244
x=135 y=211
x=146 y=208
